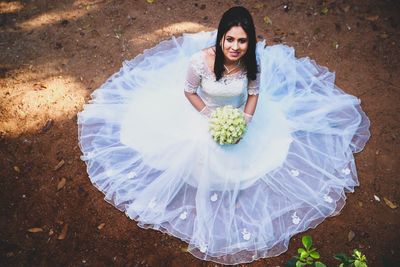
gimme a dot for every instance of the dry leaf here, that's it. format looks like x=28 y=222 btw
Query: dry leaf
x=259 y=5
x=351 y=235
x=35 y=230
x=384 y=35
x=267 y=20
x=51 y=232
x=16 y=168
x=335 y=45
x=389 y=203
x=184 y=249
x=61 y=183
x=346 y=8
x=59 y=165
x=324 y=10
x=360 y=203
x=101 y=226
x=63 y=233
x=47 y=126
x=38 y=86
x=151 y=1
x=372 y=18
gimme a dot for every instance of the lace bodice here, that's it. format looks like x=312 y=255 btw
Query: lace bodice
x=231 y=89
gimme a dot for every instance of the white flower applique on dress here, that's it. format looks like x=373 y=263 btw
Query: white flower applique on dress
x=328 y=199
x=152 y=204
x=246 y=234
x=203 y=247
x=295 y=218
x=346 y=171
x=132 y=174
x=183 y=215
x=295 y=173
x=214 y=197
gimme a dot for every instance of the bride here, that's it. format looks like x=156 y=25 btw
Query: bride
x=146 y=142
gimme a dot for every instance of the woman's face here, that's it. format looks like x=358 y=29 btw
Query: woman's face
x=234 y=44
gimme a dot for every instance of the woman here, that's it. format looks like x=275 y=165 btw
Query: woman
x=148 y=149
x=233 y=53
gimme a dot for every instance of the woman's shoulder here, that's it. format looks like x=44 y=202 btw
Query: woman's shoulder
x=204 y=58
x=205 y=53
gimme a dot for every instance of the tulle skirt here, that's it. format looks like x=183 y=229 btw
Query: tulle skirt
x=150 y=152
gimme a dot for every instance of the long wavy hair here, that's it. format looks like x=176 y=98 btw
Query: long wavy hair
x=237 y=16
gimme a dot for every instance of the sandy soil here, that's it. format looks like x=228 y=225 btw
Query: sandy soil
x=53 y=54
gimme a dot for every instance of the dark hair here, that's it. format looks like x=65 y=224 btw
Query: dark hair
x=237 y=16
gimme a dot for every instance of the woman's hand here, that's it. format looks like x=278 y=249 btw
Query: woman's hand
x=247 y=118
x=206 y=112
x=198 y=104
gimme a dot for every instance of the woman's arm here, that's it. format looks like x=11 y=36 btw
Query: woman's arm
x=250 y=107
x=198 y=104
x=252 y=98
x=251 y=104
x=193 y=79
x=195 y=100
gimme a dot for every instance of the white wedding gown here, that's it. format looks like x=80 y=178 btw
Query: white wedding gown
x=149 y=151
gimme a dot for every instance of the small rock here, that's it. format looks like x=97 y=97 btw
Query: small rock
x=286 y=7
x=16 y=169
x=35 y=230
x=350 y=236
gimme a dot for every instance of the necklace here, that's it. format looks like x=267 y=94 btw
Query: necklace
x=234 y=68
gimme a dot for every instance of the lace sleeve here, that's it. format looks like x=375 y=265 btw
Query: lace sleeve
x=253 y=87
x=193 y=77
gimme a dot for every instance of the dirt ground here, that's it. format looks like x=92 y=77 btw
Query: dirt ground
x=54 y=54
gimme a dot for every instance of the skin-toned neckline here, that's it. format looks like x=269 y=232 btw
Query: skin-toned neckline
x=210 y=51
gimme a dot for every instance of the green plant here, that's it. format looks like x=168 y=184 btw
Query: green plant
x=307 y=255
x=357 y=259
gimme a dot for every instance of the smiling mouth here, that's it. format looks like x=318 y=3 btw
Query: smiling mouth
x=235 y=54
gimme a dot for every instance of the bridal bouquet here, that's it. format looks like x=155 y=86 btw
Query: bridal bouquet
x=227 y=125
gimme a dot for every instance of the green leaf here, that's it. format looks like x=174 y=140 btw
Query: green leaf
x=357 y=253
x=319 y=264
x=307 y=241
x=358 y=263
x=300 y=264
x=341 y=265
x=300 y=250
x=314 y=255
x=303 y=255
